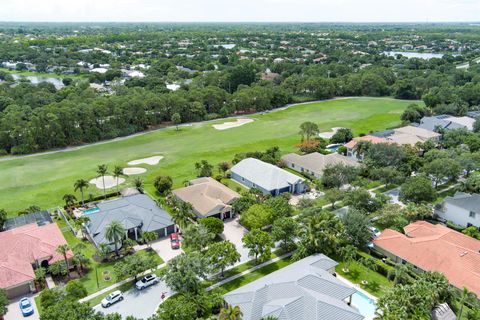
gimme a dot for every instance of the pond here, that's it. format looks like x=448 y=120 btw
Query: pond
x=57 y=82
x=420 y=55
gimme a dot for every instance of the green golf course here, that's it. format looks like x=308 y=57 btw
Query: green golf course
x=43 y=179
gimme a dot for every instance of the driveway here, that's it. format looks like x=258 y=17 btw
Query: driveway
x=394 y=194
x=234 y=232
x=14 y=310
x=164 y=249
x=140 y=304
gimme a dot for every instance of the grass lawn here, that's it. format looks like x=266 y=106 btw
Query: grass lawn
x=237 y=283
x=377 y=283
x=43 y=179
x=27 y=73
x=89 y=280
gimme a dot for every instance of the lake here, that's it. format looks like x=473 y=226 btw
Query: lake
x=57 y=82
x=420 y=55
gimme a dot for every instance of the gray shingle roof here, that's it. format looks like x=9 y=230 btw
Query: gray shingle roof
x=303 y=290
x=133 y=211
x=430 y=123
x=470 y=202
x=265 y=175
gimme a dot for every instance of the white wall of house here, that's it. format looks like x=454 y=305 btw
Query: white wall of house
x=459 y=216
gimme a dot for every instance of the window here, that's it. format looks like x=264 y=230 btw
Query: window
x=472 y=214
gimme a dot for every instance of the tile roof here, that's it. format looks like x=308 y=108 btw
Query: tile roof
x=317 y=162
x=421 y=133
x=207 y=196
x=352 y=143
x=304 y=290
x=132 y=211
x=21 y=247
x=436 y=248
x=265 y=175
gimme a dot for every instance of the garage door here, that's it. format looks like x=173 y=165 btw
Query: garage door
x=18 y=291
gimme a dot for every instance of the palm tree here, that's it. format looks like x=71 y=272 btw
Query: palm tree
x=69 y=199
x=115 y=232
x=463 y=298
x=63 y=250
x=80 y=223
x=399 y=273
x=81 y=184
x=348 y=253
x=230 y=313
x=117 y=173
x=102 y=171
x=370 y=264
x=182 y=213
x=138 y=183
x=103 y=251
x=148 y=237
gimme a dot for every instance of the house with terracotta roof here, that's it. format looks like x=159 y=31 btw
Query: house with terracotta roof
x=429 y=247
x=351 y=152
x=208 y=197
x=24 y=249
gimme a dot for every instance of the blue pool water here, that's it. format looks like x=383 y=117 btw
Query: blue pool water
x=333 y=147
x=91 y=210
x=364 y=304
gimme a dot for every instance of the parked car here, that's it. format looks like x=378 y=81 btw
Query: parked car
x=174 y=241
x=26 y=307
x=147 y=281
x=375 y=232
x=112 y=298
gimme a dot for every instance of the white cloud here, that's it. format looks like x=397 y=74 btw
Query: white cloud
x=244 y=10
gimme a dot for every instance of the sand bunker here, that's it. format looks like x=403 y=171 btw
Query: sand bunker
x=150 y=161
x=130 y=171
x=329 y=134
x=229 y=125
x=110 y=182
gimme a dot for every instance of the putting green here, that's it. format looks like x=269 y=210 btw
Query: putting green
x=42 y=180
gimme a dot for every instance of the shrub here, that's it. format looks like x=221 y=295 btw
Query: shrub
x=213 y=225
x=163 y=184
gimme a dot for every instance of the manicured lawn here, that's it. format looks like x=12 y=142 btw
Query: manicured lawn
x=43 y=179
x=377 y=283
x=41 y=74
x=237 y=283
x=89 y=280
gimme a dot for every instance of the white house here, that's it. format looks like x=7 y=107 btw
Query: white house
x=462 y=209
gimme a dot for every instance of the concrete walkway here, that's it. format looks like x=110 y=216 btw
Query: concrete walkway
x=255 y=268
x=118 y=284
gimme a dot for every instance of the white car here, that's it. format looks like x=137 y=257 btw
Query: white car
x=147 y=281
x=375 y=232
x=112 y=298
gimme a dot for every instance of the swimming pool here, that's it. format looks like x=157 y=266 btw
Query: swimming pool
x=364 y=304
x=91 y=210
x=333 y=147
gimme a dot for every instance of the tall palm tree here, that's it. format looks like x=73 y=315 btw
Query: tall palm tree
x=370 y=264
x=117 y=173
x=230 y=313
x=348 y=253
x=63 y=250
x=102 y=171
x=115 y=232
x=81 y=184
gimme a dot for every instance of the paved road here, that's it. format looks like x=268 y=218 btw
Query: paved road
x=141 y=304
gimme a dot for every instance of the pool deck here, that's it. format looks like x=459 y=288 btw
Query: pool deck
x=357 y=287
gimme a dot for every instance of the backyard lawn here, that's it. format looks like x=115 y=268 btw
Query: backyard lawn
x=42 y=180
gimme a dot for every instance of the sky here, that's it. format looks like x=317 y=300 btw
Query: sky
x=241 y=10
